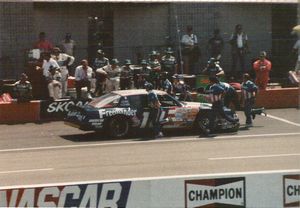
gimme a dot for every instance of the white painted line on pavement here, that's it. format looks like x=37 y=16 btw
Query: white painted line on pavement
x=283 y=120
x=24 y=171
x=165 y=140
x=253 y=156
x=210 y=175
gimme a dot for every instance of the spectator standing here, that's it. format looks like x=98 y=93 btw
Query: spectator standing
x=83 y=76
x=54 y=84
x=47 y=63
x=190 y=50
x=43 y=44
x=68 y=45
x=168 y=63
x=100 y=62
x=239 y=48
x=262 y=68
x=155 y=66
x=126 y=75
x=23 y=89
x=64 y=61
x=216 y=45
x=249 y=90
x=113 y=76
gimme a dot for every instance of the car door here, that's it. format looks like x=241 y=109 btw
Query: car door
x=173 y=111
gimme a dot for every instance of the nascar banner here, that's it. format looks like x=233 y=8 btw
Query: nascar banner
x=276 y=189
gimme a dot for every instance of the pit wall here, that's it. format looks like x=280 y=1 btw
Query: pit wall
x=276 y=189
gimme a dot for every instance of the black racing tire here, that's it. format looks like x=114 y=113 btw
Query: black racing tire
x=202 y=121
x=118 y=127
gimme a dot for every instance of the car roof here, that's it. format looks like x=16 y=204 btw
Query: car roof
x=137 y=92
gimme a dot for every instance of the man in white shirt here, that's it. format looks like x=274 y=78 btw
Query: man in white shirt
x=68 y=45
x=113 y=73
x=47 y=63
x=239 y=47
x=83 y=76
x=189 y=43
x=64 y=61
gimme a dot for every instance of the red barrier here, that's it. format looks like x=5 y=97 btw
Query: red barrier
x=278 y=98
x=20 y=112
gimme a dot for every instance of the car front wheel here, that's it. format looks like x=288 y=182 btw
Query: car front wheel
x=118 y=127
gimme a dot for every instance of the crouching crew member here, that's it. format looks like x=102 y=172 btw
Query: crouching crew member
x=249 y=90
x=216 y=92
x=126 y=76
x=230 y=96
x=155 y=110
x=23 y=89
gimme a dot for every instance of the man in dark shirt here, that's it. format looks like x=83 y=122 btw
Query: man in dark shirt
x=215 y=45
x=23 y=89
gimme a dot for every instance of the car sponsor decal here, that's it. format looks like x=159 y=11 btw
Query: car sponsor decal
x=215 y=193
x=85 y=195
x=116 y=111
x=291 y=193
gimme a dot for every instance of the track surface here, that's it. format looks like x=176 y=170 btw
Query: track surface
x=53 y=152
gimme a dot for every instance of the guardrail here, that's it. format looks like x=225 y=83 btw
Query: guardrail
x=276 y=189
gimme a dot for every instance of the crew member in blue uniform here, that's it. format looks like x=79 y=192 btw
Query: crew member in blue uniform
x=216 y=92
x=166 y=84
x=249 y=91
x=155 y=110
x=230 y=96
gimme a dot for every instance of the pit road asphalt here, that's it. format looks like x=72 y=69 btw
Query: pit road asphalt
x=52 y=152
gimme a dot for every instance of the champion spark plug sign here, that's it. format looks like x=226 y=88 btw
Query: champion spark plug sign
x=291 y=187
x=86 y=195
x=215 y=193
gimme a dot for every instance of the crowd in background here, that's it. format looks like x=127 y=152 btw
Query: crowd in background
x=163 y=69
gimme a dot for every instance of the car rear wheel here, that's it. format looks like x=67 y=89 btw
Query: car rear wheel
x=118 y=127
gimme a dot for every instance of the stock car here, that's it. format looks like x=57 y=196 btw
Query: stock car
x=120 y=112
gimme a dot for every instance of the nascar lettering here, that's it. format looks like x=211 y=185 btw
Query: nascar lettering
x=64 y=106
x=92 y=195
x=215 y=192
x=291 y=186
x=116 y=111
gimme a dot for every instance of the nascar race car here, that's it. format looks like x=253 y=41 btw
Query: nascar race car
x=121 y=111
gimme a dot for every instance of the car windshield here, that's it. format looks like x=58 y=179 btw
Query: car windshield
x=105 y=101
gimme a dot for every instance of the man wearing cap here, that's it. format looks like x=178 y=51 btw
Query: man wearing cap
x=155 y=66
x=168 y=63
x=213 y=68
x=249 y=91
x=126 y=75
x=23 y=89
x=113 y=76
x=83 y=76
x=262 y=68
x=101 y=60
x=64 y=61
